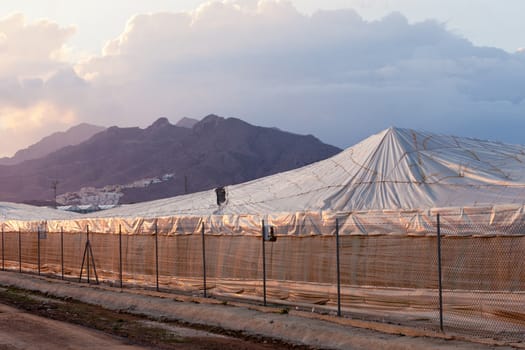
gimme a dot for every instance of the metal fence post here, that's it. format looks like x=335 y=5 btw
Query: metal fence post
x=120 y=253
x=157 y=255
x=93 y=260
x=3 y=249
x=88 y=254
x=439 y=274
x=263 y=234
x=62 y=251
x=38 y=248
x=203 y=259
x=87 y=247
x=19 y=251
x=338 y=268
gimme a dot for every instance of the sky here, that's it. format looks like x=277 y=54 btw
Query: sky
x=338 y=69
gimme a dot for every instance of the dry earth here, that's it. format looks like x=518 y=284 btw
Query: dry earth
x=20 y=330
x=95 y=328
x=23 y=330
x=152 y=315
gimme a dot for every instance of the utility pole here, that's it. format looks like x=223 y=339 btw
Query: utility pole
x=54 y=185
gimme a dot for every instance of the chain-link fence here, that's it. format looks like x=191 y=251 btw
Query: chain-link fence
x=483 y=278
x=444 y=275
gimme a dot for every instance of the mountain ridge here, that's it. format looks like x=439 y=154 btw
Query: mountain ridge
x=215 y=151
x=53 y=142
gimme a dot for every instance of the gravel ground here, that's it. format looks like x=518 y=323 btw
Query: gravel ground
x=246 y=326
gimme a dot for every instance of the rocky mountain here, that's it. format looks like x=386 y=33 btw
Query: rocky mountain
x=53 y=142
x=187 y=123
x=214 y=152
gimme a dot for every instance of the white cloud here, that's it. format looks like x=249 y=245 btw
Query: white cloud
x=272 y=65
x=30 y=49
x=332 y=74
x=31 y=54
x=12 y=119
x=22 y=125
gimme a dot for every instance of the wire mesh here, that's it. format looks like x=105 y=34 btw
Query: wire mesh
x=391 y=277
x=11 y=253
x=50 y=256
x=104 y=248
x=72 y=252
x=29 y=256
x=484 y=280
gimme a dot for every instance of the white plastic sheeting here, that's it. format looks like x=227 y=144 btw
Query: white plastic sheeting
x=394 y=169
x=459 y=221
x=393 y=178
x=24 y=212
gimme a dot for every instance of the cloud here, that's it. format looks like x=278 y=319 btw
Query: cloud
x=331 y=74
x=31 y=59
x=30 y=49
x=24 y=125
x=321 y=74
x=12 y=119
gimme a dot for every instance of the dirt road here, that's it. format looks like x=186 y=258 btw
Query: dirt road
x=142 y=315
x=21 y=330
x=36 y=321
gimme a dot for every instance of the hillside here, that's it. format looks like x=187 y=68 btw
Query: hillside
x=215 y=151
x=53 y=142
